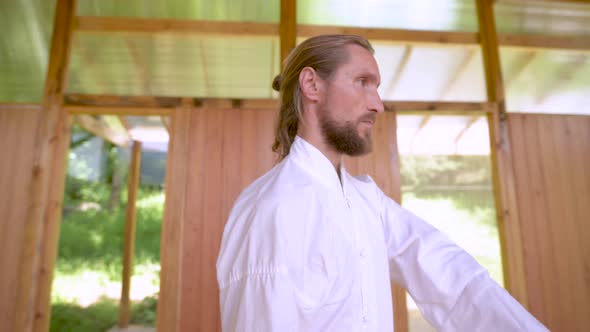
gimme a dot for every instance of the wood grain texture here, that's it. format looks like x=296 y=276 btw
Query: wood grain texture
x=221 y=152
x=553 y=190
x=17 y=133
x=172 y=227
x=47 y=171
x=129 y=235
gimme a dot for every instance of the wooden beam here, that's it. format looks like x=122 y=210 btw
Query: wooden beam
x=166 y=123
x=99 y=129
x=124 y=123
x=468 y=126
x=143 y=105
x=121 y=101
x=288 y=28
x=393 y=35
x=129 y=239
x=399 y=71
x=520 y=67
x=502 y=171
x=19 y=106
x=459 y=72
x=164 y=25
x=545 y=42
x=41 y=225
x=116 y=110
x=437 y=106
x=253 y=29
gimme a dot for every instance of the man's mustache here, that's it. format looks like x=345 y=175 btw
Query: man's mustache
x=368 y=117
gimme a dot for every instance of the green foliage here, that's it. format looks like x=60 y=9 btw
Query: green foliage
x=93 y=239
x=100 y=316
x=418 y=170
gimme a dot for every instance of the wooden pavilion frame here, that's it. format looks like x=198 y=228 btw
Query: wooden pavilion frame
x=58 y=110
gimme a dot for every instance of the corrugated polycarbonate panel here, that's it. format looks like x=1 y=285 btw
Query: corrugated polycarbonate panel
x=174 y=65
x=430 y=73
x=24 y=48
x=459 y=15
x=225 y=10
x=546 y=81
x=442 y=135
x=542 y=17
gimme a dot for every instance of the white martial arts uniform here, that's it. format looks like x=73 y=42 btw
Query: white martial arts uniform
x=304 y=251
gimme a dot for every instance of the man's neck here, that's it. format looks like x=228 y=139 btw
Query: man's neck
x=318 y=142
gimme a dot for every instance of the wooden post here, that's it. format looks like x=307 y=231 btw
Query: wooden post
x=129 y=240
x=173 y=223
x=41 y=229
x=288 y=27
x=502 y=171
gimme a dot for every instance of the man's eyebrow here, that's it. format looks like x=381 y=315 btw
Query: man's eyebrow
x=371 y=77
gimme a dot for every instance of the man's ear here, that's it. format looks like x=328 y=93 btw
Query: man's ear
x=309 y=83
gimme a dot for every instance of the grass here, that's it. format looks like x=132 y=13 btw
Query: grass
x=86 y=287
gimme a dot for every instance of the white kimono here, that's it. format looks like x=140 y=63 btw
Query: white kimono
x=304 y=251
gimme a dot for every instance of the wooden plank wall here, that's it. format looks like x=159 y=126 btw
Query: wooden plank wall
x=17 y=135
x=214 y=155
x=551 y=161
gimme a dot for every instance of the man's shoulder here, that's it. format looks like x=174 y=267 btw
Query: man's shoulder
x=283 y=185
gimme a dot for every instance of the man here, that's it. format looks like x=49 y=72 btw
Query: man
x=308 y=247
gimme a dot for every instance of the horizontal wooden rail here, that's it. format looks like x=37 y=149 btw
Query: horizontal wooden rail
x=263 y=29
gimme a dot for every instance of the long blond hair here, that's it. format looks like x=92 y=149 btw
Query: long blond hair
x=324 y=54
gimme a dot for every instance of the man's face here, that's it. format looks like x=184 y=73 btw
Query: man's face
x=351 y=103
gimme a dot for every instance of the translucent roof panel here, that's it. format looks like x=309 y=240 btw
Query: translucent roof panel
x=173 y=65
x=424 y=73
x=226 y=10
x=26 y=35
x=542 y=17
x=458 y=15
x=442 y=135
x=546 y=81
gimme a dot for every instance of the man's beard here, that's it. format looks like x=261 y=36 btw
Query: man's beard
x=345 y=138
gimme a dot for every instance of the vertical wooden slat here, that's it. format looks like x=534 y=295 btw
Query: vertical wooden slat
x=191 y=291
x=172 y=227
x=218 y=146
x=288 y=27
x=17 y=133
x=557 y=138
x=129 y=238
x=554 y=188
x=47 y=180
x=502 y=172
x=525 y=145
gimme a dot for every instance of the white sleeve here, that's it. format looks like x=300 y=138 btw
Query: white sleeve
x=263 y=301
x=256 y=288
x=453 y=292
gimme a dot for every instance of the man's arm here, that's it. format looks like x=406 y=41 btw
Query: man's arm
x=453 y=292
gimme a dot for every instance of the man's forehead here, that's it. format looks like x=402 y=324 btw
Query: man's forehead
x=362 y=61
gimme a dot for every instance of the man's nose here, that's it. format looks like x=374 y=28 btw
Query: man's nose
x=375 y=103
